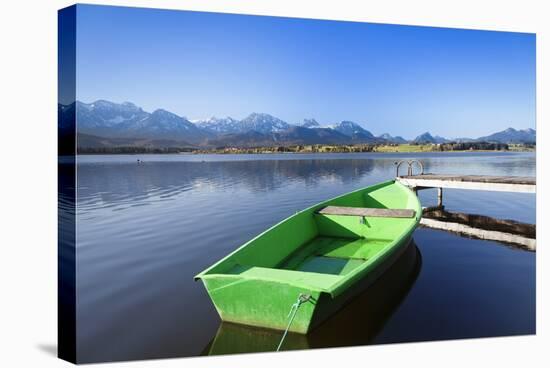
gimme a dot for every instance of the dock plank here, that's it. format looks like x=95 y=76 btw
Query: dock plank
x=475 y=178
x=370 y=212
x=521 y=184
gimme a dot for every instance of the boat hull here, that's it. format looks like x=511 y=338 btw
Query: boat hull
x=268 y=303
x=356 y=323
x=328 y=256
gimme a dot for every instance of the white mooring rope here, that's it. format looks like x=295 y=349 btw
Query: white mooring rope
x=302 y=298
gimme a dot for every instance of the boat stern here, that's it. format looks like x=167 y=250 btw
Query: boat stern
x=262 y=303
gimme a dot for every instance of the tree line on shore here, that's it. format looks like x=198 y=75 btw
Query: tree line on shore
x=314 y=148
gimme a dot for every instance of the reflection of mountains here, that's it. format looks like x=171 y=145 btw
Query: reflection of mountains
x=356 y=324
x=132 y=181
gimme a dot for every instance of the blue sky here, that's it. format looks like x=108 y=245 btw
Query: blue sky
x=398 y=79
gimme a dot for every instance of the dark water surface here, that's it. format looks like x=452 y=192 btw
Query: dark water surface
x=144 y=230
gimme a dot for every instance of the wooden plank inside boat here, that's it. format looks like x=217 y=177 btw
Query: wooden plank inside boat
x=370 y=212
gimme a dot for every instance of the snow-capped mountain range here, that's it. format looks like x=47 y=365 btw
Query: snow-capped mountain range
x=221 y=126
x=108 y=120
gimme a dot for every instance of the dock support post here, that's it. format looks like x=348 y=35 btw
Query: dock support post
x=440 y=197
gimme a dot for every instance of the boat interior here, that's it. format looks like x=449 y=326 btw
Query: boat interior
x=335 y=256
x=327 y=242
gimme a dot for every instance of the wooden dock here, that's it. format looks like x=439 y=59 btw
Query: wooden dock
x=481 y=227
x=518 y=184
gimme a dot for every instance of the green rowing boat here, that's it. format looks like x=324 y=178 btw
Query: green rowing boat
x=313 y=262
x=358 y=323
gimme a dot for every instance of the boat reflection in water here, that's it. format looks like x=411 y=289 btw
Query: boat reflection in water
x=355 y=324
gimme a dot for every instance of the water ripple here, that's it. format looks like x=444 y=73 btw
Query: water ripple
x=145 y=230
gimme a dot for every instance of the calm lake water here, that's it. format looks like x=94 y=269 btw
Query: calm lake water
x=144 y=230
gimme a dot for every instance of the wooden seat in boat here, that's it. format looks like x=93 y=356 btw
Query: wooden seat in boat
x=363 y=211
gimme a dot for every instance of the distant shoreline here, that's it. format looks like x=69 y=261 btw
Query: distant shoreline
x=312 y=149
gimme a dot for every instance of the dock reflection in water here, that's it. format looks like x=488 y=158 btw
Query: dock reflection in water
x=509 y=232
x=355 y=324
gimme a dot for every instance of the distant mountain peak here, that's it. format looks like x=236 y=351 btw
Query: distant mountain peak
x=310 y=123
x=164 y=112
x=220 y=125
x=511 y=135
x=388 y=137
x=214 y=119
x=349 y=123
x=104 y=103
x=355 y=131
x=263 y=123
x=125 y=120
x=260 y=115
x=129 y=104
x=427 y=137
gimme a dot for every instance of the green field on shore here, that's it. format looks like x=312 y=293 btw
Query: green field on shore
x=317 y=148
x=383 y=148
x=407 y=148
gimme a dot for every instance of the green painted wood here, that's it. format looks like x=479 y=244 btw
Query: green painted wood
x=329 y=256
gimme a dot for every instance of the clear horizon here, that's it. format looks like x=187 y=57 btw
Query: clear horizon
x=402 y=80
